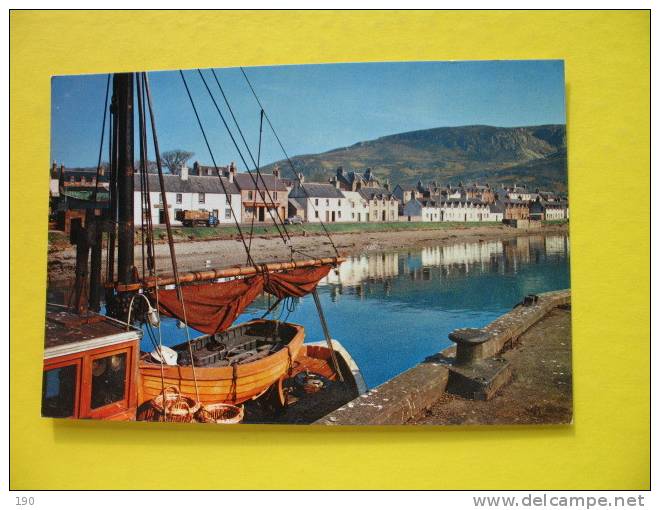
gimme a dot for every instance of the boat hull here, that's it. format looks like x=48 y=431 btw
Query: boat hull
x=227 y=384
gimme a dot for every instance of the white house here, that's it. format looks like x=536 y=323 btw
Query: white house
x=320 y=202
x=356 y=207
x=465 y=210
x=451 y=210
x=189 y=193
x=421 y=210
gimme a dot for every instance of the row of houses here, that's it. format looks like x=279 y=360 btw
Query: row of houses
x=349 y=196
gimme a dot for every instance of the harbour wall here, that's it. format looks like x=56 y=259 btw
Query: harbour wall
x=477 y=373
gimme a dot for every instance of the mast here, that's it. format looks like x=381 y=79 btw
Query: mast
x=123 y=90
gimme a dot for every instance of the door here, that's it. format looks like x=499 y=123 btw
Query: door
x=384 y=215
x=333 y=216
x=261 y=213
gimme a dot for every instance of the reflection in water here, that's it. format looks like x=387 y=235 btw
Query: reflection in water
x=392 y=309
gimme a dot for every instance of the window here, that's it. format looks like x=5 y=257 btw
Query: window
x=250 y=195
x=338 y=214
x=316 y=213
x=339 y=203
x=327 y=201
x=108 y=380
x=179 y=198
x=228 y=213
x=316 y=202
x=58 y=399
x=202 y=198
x=274 y=195
x=352 y=215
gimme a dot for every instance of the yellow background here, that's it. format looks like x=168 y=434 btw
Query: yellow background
x=608 y=86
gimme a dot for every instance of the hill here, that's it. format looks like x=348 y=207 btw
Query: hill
x=533 y=155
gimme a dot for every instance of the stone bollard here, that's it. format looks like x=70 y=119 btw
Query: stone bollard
x=468 y=344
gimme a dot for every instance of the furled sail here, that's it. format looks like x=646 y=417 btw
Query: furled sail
x=213 y=307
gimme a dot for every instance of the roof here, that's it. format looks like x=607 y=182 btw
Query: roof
x=194 y=184
x=371 y=193
x=297 y=205
x=348 y=178
x=245 y=181
x=315 y=190
x=87 y=173
x=497 y=207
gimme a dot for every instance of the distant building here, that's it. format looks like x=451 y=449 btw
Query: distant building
x=263 y=197
x=548 y=210
x=75 y=177
x=516 y=192
x=319 y=202
x=516 y=209
x=189 y=193
x=354 y=181
x=405 y=193
x=356 y=206
x=383 y=205
x=455 y=210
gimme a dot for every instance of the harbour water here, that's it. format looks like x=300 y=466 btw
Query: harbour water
x=392 y=309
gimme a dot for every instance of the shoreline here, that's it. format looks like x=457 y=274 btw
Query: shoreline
x=216 y=253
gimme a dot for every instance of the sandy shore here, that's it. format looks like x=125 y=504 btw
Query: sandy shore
x=195 y=255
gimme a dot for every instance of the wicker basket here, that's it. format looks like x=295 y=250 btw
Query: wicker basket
x=220 y=413
x=176 y=407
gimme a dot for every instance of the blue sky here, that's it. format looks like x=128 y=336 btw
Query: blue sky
x=316 y=108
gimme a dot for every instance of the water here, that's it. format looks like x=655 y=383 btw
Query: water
x=393 y=309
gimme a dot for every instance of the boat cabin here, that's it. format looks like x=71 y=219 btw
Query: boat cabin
x=90 y=366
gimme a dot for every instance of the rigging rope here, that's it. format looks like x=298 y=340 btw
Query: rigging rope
x=257 y=164
x=208 y=146
x=240 y=153
x=261 y=125
x=286 y=155
x=169 y=229
x=146 y=204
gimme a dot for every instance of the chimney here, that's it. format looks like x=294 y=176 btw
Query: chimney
x=340 y=171
x=195 y=168
x=232 y=168
x=335 y=182
x=184 y=173
x=227 y=172
x=301 y=178
x=276 y=171
x=387 y=184
x=53 y=170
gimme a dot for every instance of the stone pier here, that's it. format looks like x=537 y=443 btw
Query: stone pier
x=502 y=373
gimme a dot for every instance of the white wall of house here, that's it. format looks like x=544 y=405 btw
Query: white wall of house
x=211 y=202
x=327 y=210
x=555 y=213
x=356 y=207
x=465 y=212
x=383 y=206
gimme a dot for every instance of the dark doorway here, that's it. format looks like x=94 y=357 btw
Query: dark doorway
x=261 y=213
x=333 y=215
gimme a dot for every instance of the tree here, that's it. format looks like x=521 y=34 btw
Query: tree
x=175 y=159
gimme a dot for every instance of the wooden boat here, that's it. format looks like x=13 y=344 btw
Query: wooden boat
x=218 y=379
x=311 y=389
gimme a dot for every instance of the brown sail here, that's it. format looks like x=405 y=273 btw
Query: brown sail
x=213 y=307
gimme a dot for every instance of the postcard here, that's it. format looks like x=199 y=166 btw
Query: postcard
x=335 y=244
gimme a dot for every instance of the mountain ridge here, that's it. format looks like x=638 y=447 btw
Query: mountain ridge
x=532 y=155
